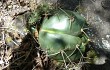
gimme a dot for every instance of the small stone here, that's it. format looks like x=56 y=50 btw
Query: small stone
x=107 y=36
x=0 y=3
x=10 y=6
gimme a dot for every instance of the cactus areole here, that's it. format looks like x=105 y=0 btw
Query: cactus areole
x=61 y=36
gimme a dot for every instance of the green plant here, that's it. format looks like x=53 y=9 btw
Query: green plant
x=36 y=16
x=62 y=36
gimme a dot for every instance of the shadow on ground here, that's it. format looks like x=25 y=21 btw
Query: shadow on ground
x=28 y=56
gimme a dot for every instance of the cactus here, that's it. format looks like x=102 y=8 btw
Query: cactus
x=62 y=36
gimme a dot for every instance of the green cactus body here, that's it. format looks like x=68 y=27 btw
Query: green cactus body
x=62 y=32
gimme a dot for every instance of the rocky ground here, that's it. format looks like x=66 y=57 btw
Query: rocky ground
x=16 y=51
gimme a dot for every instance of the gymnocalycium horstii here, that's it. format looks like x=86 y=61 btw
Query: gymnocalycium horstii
x=61 y=34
